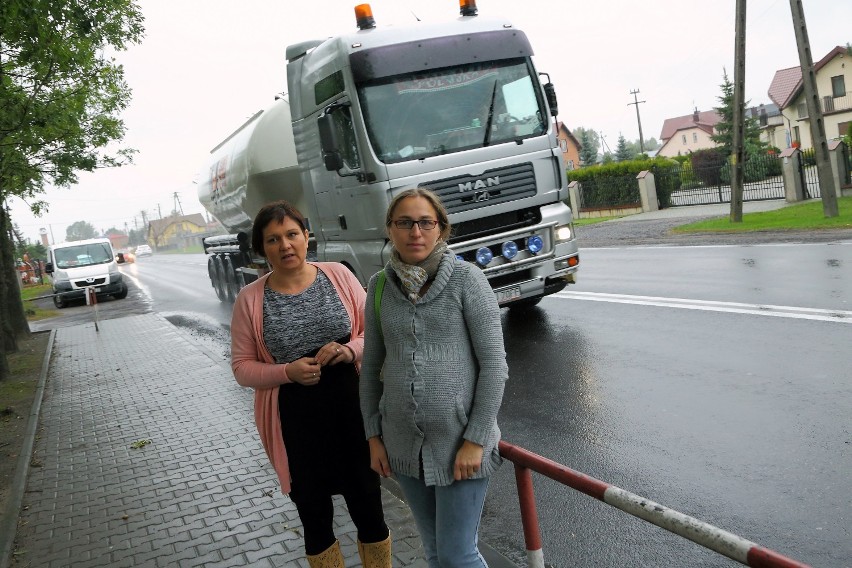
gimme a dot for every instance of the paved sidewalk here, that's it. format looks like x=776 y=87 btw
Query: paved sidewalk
x=197 y=491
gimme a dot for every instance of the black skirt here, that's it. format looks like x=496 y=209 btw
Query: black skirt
x=324 y=434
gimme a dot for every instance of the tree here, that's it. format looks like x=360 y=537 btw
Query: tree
x=622 y=152
x=61 y=93
x=725 y=127
x=588 y=145
x=79 y=230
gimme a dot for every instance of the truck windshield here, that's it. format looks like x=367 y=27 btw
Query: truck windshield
x=418 y=115
x=82 y=255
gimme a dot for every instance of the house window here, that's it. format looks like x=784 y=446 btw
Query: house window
x=695 y=137
x=796 y=137
x=683 y=136
x=802 y=108
x=838 y=86
x=843 y=128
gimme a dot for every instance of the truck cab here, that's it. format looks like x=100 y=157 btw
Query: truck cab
x=457 y=108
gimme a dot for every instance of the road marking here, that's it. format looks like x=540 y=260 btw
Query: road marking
x=842 y=316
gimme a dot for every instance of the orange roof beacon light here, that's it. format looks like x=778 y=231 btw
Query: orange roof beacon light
x=364 y=17
x=467 y=7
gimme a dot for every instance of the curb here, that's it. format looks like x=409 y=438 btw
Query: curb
x=9 y=518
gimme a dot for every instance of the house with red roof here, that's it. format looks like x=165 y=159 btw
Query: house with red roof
x=833 y=81
x=570 y=146
x=684 y=134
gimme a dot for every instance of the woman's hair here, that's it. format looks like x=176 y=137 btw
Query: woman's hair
x=276 y=211
x=430 y=196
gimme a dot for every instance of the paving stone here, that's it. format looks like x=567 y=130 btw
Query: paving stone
x=200 y=492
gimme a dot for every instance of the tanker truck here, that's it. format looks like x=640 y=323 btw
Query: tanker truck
x=456 y=107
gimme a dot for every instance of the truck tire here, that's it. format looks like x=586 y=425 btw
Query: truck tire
x=231 y=286
x=219 y=280
x=59 y=301
x=122 y=294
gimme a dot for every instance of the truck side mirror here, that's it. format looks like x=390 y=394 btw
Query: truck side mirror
x=550 y=93
x=48 y=267
x=329 y=143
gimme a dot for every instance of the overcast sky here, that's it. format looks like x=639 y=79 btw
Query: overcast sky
x=206 y=66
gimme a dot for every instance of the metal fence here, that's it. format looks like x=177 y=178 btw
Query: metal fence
x=609 y=192
x=683 y=184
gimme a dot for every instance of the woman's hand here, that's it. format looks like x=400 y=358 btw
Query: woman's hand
x=379 y=457
x=334 y=353
x=468 y=460
x=305 y=371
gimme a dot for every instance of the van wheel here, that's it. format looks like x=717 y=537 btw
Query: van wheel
x=59 y=302
x=122 y=294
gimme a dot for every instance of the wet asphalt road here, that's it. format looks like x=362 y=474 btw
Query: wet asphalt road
x=715 y=409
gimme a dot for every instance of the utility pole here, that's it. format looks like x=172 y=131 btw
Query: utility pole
x=638 y=120
x=177 y=205
x=826 y=181
x=738 y=142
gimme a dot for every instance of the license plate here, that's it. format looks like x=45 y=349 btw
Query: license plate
x=507 y=295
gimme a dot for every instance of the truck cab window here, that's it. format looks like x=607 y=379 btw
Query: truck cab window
x=417 y=115
x=346 y=134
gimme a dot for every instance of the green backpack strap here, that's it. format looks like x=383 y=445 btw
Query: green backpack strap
x=377 y=298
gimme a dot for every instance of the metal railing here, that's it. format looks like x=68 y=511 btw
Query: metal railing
x=720 y=541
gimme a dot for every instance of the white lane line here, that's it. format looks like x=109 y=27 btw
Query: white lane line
x=842 y=316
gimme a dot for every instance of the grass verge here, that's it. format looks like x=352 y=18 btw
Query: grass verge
x=16 y=399
x=592 y=220
x=804 y=216
x=33 y=311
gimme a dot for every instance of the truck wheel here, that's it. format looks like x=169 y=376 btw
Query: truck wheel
x=122 y=294
x=525 y=304
x=219 y=280
x=59 y=302
x=231 y=288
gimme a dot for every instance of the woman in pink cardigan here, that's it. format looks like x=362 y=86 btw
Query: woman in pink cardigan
x=297 y=335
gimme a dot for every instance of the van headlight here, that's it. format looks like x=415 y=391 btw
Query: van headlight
x=564 y=233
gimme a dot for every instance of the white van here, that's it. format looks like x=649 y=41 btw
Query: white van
x=77 y=265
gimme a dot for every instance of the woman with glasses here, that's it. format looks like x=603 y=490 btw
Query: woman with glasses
x=297 y=338
x=432 y=379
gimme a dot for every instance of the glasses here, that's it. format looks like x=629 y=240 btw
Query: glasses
x=408 y=224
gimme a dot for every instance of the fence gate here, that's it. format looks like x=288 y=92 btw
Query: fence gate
x=712 y=184
x=809 y=175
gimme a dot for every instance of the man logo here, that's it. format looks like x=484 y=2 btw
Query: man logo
x=479 y=184
x=481 y=196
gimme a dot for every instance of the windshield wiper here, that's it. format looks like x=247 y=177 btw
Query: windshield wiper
x=490 y=116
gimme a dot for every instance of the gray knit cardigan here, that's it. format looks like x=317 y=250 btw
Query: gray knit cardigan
x=444 y=372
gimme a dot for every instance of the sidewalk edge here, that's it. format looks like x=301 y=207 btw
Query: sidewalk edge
x=9 y=518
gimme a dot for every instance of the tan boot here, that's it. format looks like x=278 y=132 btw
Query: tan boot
x=331 y=557
x=375 y=554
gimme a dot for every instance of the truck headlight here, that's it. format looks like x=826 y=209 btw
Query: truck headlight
x=564 y=233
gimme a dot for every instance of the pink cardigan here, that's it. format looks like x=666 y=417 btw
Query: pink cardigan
x=254 y=367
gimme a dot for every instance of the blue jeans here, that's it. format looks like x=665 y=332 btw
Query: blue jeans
x=448 y=520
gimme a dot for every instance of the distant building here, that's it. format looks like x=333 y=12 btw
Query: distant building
x=787 y=92
x=176 y=231
x=118 y=239
x=684 y=134
x=771 y=122
x=570 y=146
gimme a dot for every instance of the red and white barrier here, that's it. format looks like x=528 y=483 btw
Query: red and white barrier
x=707 y=535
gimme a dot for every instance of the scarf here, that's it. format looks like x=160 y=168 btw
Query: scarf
x=414 y=276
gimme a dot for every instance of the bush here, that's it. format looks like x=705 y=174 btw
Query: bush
x=707 y=165
x=621 y=187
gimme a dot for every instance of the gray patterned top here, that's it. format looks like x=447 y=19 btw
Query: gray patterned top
x=296 y=324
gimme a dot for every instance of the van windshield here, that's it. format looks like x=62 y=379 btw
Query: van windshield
x=82 y=255
x=423 y=114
